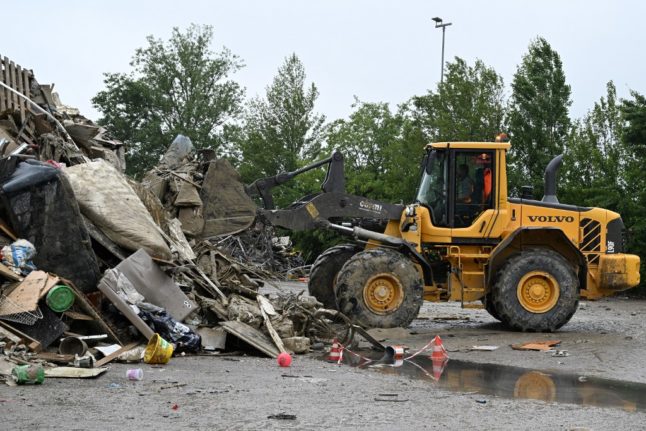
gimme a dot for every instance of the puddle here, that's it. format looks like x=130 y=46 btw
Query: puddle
x=514 y=382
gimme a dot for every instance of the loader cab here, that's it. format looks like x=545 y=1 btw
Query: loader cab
x=458 y=184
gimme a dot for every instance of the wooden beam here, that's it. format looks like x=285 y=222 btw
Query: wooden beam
x=101 y=362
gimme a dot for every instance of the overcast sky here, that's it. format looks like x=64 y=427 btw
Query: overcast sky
x=379 y=51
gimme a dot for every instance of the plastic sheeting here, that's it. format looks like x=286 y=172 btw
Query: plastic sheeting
x=104 y=197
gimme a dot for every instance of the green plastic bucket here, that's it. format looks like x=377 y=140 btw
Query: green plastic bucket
x=60 y=298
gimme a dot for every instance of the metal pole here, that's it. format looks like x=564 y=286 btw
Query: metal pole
x=440 y=24
x=442 y=73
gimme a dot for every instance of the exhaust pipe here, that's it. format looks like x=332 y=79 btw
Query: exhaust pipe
x=550 y=179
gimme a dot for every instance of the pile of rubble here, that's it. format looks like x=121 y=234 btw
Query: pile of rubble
x=96 y=267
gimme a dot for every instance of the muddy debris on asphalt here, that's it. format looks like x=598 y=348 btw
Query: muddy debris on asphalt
x=98 y=268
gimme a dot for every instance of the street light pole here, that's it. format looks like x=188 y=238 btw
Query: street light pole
x=443 y=26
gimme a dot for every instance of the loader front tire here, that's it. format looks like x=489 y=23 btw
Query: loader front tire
x=380 y=288
x=490 y=306
x=536 y=291
x=324 y=271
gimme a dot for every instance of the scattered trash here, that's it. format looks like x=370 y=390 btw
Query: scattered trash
x=135 y=374
x=158 y=351
x=175 y=407
x=483 y=348
x=72 y=346
x=282 y=416
x=392 y=400
x=536 y=345
x=28 y=374
x=74 y=373
x=284 y=359
x=560 y=353
x=97 y=267
x=481 y=401
x=86 y=361
x=182 y=337
x=60 y=298
x=18 y=256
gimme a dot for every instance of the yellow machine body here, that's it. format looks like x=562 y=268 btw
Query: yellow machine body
x=471 y=250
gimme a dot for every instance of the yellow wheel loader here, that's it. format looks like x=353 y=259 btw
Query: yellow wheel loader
x=526 y=261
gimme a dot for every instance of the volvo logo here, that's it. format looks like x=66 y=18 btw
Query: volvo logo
x=551 y=219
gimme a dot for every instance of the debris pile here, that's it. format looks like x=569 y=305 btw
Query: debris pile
x=96 y=267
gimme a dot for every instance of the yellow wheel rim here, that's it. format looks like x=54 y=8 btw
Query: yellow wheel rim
x=536 y=386
x=383 y=293
x=538 y=292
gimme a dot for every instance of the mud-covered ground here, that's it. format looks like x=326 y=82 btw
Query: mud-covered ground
x=604 y=339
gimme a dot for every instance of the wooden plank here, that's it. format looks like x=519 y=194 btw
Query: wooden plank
x=77 y=316
x=266 y=309
x=20 y=87
x=101 y=362
x=7 y=230
x=33 y=345
x=52 y=280
x=7 y=335
x=7 y=273
x=12 y=84
x=27 y=83
x=25 y=297
x=252 y=336
x=3 y=103
x=55 y=357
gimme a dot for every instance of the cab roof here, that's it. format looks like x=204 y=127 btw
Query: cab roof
x=471 y=145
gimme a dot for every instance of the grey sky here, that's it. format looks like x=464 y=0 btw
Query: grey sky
x=377 y=50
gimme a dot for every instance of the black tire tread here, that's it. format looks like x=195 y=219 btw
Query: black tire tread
x=324 y=271
x=505 y=301
x=363 y=265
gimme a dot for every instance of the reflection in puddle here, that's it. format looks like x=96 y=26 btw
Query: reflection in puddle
x=514 y=382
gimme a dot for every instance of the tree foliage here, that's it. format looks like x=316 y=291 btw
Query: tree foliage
x=282 y=132
x=633 y=137
x=468 y=106
x=177 y=86
x=382 y=152
x=595 y=157
x=539 y=121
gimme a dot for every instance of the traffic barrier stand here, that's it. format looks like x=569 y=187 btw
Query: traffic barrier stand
x=439 y=352
x=336 y=352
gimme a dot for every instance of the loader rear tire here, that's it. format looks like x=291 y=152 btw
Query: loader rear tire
x=536 y=291
x=324 y=271
x=380 y=288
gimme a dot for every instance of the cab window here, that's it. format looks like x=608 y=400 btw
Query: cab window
x=473 y=190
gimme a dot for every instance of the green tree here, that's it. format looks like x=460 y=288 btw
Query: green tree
x=177 y=86
x=539 y=122
x=595 y=157
x=382 y=152
x=468 y=106
x=633 y=136
x=282 y=132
